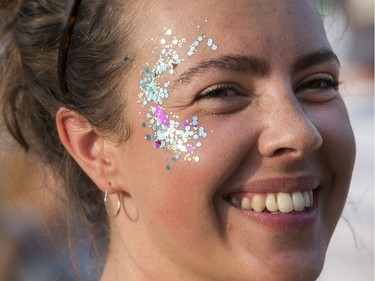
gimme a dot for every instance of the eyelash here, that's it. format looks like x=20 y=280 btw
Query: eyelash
x=324 y=83
x=215 y=92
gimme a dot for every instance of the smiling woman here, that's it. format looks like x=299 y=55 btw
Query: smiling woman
x=219 y=146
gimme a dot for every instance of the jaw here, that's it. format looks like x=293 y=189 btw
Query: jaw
x=290 y=247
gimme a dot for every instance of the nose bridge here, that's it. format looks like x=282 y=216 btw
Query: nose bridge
x=288 y=129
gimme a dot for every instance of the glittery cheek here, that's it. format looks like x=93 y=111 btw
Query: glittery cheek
x=167 y=132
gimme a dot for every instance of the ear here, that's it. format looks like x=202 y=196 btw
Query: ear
x=87 y=148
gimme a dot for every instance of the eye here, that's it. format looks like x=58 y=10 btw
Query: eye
x=223 y=98
x=220 y=91
x=318 y=88
x=322 y=82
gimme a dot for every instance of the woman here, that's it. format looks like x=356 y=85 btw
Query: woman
x=214 y=130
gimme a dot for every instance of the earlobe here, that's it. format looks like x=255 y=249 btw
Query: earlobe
x=83 y=143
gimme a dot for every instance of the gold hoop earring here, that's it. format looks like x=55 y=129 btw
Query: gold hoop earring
x=118 y=204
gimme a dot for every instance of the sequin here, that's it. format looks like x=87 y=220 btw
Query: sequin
x=167 y=132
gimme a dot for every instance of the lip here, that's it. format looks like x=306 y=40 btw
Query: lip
x=282 y=184
x=291 y=222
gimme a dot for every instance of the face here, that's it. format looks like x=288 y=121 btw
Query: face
x=255 y=191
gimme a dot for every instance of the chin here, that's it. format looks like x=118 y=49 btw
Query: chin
x=295 y=267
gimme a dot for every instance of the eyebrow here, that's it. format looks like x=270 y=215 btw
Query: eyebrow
x=255 y=65
x=237 y=63
x=315 y=58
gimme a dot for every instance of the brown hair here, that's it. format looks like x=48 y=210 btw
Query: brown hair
x=29 y=41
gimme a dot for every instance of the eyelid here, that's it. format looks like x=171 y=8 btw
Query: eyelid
x=317 y=76
x=222 y=86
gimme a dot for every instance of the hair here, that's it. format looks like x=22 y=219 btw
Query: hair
x=31 y=95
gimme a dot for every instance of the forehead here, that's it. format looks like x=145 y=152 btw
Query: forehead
x=238 y=23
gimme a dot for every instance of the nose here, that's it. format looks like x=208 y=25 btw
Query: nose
x=288 y=131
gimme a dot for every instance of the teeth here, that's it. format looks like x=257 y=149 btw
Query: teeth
x=258 y=203
x=276 y=203
x=245 y=203
x=235 y=201
x=298 y=201
x=271 y=203
x=306 y=198
x=311 y=197
x=285 y=202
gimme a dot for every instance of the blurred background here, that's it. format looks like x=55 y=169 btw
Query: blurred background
x=29 y=210
x=350 y=29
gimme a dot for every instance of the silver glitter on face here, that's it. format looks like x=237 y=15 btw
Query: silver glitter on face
x=166 y=131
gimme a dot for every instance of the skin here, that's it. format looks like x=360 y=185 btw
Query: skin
x=175 y=225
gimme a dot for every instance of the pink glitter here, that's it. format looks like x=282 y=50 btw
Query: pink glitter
x=159 y=112
x=157 y=144
x=191 y=149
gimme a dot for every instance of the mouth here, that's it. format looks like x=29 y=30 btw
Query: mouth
x=274 y=203
x=278 y=204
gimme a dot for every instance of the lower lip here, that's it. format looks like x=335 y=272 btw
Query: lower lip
x=284 y=222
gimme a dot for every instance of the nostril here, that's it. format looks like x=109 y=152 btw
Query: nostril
x=283 y=150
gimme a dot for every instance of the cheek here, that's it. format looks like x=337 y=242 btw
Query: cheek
x=337 y=160
x=338 y=137
x=182 y=196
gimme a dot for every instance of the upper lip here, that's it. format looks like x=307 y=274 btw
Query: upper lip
x=280 y=184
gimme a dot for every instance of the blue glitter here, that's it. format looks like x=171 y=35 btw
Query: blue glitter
x=168 y=167
x=170 y=134
x=143 y=124
x=148 y=137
